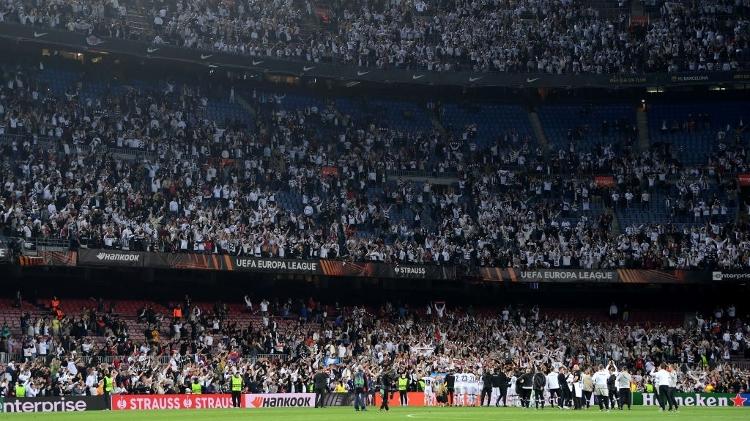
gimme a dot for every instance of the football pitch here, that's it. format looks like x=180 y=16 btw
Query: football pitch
x=405 y=414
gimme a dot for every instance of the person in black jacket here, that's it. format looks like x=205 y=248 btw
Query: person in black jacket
x=360 y=390
x=566 y=395
x=320 y=383
x=500 y=383
x=487 y=381
x=385 y=389
x=577 y=376
x=612 y=388
x=538 y=382
x=524 y=385
x=450 y=383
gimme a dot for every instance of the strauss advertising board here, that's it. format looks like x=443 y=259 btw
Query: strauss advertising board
x=220 y=401
x=148 y=402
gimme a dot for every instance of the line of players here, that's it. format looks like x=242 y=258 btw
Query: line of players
x=560 y=387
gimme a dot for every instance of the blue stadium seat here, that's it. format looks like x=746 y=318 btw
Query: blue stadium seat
x=559 y=120
x=694 y=146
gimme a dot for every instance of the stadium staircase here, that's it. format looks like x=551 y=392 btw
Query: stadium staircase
x=636 y=8
x=313 y=22
x=644 y=142
x=318 y=20
x=138 y=23
x=536 y=125
x=245 y=105
x=615 y=228
x=436 y=123
x=608 y=8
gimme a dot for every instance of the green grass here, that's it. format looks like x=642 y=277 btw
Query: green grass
x=405 y=414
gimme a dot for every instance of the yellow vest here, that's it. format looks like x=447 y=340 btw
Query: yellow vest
x=196 y=388
x=108 y=385
x=402 y=382
x=20 y=391
x=236 y=383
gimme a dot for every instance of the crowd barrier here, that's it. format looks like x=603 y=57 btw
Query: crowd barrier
x=297 y=400
x=340 y=268
x=79 y=42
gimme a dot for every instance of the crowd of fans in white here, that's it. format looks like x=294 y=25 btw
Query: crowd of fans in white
x=288 y=342
x=548 y=36
x=222 y=187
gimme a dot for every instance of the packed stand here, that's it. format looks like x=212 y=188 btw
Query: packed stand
x=545 y=36
x=285 y=343
x=250 y=187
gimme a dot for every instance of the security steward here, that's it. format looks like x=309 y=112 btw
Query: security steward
x=196 y=388
x=20 y=390
x=107 y=387
x=236 y=385
x=403 y=387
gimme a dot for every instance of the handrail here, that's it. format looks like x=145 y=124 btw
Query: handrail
x=50 y=143
x=421 y=173
x=6 y=358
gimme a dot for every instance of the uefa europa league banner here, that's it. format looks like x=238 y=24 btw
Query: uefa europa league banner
x=224 y=262
x=353 y=269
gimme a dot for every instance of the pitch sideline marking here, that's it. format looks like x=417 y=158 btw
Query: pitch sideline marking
x=446 y=415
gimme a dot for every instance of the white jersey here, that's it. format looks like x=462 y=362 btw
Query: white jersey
x=661 y=377
x=600 y=379
x=478 y=386
x=553 y=381
x=428 y=383
x=512 y=386
x=475 y=384
x=461 y=380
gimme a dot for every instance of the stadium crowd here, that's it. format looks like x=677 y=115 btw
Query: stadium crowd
x=157 y=166
x=546 y=36
x=290 y=341
x=278 y=187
